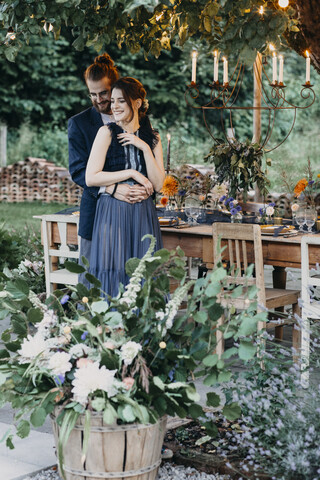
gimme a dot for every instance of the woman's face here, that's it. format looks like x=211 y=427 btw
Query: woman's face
x=120 y=109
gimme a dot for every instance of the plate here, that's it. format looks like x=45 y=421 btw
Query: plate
x=271 y=229
x=167 y=221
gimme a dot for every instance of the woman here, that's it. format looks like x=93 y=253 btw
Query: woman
x=127 y=151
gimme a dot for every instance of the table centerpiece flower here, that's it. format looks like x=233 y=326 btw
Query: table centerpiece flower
x=131 y=357
x=231 y=205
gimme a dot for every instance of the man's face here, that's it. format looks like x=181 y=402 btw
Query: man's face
x=100 y=92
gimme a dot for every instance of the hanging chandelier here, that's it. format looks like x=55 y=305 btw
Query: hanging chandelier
x=223 y=96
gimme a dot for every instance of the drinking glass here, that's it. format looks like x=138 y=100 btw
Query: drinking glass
x=310 y=218
x=301 y=218
x=192 y=210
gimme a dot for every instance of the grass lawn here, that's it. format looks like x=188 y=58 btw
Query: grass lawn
x=20 y=215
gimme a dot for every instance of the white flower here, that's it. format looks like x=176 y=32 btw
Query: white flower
x=90 y=378
x=129 y=351
x=295 y=207
x=59 y=363
x=134 y=285
x=219 y=191
x=32 y=347
x=159 y=315
x=176 y=300
x=79 y=350
x=269 y=210
x=49 y=319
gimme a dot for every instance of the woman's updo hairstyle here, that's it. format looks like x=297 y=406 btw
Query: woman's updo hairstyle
x=103 y=66
x=132 y=89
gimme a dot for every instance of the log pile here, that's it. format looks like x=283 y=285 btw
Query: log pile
x=37 y=179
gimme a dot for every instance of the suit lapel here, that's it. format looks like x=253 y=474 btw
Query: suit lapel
x=95 y=118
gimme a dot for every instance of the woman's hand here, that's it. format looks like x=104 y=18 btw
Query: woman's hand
x=138 y=177
x=132 y=139
x=130 y=193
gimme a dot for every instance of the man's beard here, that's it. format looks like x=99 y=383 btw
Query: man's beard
x=103 y=107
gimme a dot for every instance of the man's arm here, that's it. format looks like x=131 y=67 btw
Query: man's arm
x=78 y=156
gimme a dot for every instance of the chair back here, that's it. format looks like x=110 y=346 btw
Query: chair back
x=309 y=278
x=241 y=246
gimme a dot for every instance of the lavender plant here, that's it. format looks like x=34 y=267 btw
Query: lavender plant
x=279 y=435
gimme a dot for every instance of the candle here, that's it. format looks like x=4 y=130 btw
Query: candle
x=215 y=67
x=168 y=152
x=225 y=70
x=194 y=65
x=274 y=68
x=307 y=67
x=280 y=69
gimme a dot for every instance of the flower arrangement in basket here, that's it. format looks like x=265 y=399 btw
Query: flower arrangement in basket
x=131 y=357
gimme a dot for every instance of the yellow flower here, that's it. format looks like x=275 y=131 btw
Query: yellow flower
x=162 y=345
x=85 y=299
x=318 y=175
x=66 y=330
x=300 y=187
x=170 y=186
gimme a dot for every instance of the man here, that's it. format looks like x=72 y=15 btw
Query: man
x=82 y=129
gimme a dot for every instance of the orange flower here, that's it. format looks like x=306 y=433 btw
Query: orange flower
x=202 y=198
x=300 y=187
x=164 y=201
x=170 y=186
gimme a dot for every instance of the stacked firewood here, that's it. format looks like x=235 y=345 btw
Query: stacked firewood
x=37 y=179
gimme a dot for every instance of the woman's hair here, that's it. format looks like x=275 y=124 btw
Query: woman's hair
x=103 y=66
x=132 y=89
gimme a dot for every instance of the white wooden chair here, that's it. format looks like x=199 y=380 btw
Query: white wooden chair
x=244 y=247
x=310 y=309
x=56 y=250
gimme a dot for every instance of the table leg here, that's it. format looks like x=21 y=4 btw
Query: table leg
x=279 y=279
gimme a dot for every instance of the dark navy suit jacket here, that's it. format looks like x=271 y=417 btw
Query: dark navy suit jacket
x=82 y=129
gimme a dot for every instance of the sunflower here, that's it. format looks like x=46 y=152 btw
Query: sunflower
x=170 y=186
x=300 y=187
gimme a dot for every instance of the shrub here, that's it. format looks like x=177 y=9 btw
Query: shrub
x=279 y=432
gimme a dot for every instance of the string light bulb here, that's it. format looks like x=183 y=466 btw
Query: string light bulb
x=261 y=10
x=283 y=3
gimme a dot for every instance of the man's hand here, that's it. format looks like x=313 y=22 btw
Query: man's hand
x=129 y=193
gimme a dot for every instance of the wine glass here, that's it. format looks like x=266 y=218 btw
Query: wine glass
x=310 y=218
x=192 y=210
x=301 y=218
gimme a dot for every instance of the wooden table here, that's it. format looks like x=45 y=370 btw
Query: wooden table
x=197 y=242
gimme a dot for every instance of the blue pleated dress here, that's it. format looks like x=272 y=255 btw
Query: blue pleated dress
x=119 y=226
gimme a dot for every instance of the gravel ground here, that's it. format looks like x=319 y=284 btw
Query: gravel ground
x=167 y=471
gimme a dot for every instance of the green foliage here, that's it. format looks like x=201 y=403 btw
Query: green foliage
x=10 y=248
x=235 y=26
x=140 y=351
x=280 y=423
x=240 y=164
x=49 y=142
x=42 y=86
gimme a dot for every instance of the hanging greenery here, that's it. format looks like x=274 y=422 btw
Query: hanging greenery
x=235 y=27
x=239 y=164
